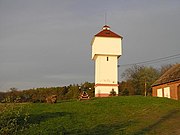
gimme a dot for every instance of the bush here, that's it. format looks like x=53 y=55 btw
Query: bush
x=112 y=93
x=125 y=92
x=13 y=119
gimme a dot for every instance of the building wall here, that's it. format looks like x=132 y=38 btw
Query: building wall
x=105 y=52
x=104 y=91
x=174 y=89
x=106 y=46
x=106 y=74
x=106 y=69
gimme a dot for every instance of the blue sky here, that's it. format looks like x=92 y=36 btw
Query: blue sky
x=46 y=43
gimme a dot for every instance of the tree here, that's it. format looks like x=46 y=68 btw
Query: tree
x=164 y=68
x=73 y=92
x=126 y=85
x=89 y=88
x=141 y=78
x=13 y=94
x=2 y=95
x=125 y=92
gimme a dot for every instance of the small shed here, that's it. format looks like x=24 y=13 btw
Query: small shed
x=168 y=85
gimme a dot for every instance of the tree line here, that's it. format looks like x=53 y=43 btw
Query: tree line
x=137 y=81
x=39 y=94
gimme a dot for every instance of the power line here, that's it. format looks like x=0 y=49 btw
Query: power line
x=154 y=60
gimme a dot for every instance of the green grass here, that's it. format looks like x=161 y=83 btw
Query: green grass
x=131 y=115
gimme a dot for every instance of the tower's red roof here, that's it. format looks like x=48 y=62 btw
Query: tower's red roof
x=106 y=32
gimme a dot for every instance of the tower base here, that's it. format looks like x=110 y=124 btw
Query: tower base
x=105 y=90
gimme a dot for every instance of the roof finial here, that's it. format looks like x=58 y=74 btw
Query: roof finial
x=105 y=27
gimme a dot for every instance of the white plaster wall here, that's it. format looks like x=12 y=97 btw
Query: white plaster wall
x=106 y=72
x=106 y=46
x=105 y=89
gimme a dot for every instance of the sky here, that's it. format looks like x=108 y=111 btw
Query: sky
x=47 y=43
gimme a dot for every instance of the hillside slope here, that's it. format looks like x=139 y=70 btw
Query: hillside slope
x=106 y=116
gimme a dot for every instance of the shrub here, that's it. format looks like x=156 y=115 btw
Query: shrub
x=125 y=92
x=13 y=119
x=112 y=93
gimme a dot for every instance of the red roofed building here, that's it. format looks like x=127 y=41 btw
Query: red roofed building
x=168 y=85
x=106 y=49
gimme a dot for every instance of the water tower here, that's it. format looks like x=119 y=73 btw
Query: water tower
x=106 y=49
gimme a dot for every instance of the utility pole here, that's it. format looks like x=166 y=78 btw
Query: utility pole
x=145 y=85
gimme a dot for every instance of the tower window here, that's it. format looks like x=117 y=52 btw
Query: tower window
x=107 y=58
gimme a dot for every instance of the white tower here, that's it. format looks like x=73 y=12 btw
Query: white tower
x=106 y=49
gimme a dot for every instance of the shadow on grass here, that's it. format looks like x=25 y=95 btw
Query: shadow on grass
x=152 y=126
x=36 y=119
x=104 y=129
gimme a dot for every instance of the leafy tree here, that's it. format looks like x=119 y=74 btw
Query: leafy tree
x=164 y=68
x=89 y=88
x=126 y=85
x=73 y=92
x=13 y=94
x=141 y=78
x=2 y=95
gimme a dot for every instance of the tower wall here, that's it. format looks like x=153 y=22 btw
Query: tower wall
x=106 y=46
x=106 y=75
x=106 y=69
x=104 y=91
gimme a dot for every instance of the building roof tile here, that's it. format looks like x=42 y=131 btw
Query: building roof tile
x=173 y=74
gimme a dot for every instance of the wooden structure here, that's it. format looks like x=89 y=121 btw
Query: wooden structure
x=168 y=85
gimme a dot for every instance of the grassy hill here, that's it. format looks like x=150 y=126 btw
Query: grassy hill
x=105 y=116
